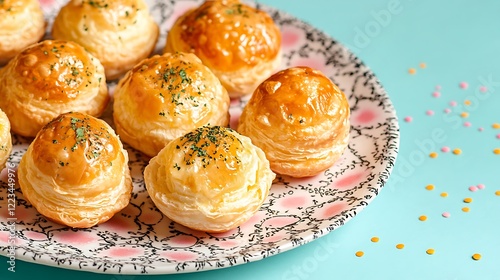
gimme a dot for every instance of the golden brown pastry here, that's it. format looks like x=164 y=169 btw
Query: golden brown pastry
x=166 y=96
x=21 y=24
x=50 y=78
x=5 y=139
x=240 y=44
x=76 y=171
x=300 y=118
x=212 y=179
x=120 y=33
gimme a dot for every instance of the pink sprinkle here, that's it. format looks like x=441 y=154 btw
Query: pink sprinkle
x=464 y=85
x=446 y=214
x=481 y=186
x=445 y=149
x=473 y=188
x=447 y=110
x=483 y=89
x=436 y=94
x=467 y=124
x=408 y=119
x=438 y=87
x=498 y=136
x=453 y=103
x=480 y=129
x=429 y=112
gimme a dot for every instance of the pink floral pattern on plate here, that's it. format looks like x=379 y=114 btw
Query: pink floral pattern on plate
x=140 y=239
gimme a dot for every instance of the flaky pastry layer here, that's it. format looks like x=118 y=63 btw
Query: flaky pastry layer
x=5 y=139
x=240 y=44
x=300 y=119
x=212 y=179
x=166 y=96
x=21 y=24
x=119 y=33
x=50 y=78
x=76 y=171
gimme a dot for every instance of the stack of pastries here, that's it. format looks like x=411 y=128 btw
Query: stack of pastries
x=172 y=107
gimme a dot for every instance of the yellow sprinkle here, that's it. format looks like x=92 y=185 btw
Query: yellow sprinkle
x=359 y=254
x=430 y=251
x=496 y=125
x=457 y=151
x=464 y=115
x=467 y=102
x=444 y=194
x=375 y=239
x=468 y=200
x=400 y=246
x=466 y=209
x=429 y=187
x=497 y=193
x=496 y=151
x=422 y=218
x=433 y=155
x=422 y=65
x=412 y=71
x=476 y=257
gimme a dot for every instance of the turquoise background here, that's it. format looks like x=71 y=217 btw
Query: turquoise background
x=458 y=41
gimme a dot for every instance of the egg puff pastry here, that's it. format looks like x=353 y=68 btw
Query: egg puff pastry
x=50 y=78
x=120 y=33
x=240 y=44
x=76 y=171
x=5 y=139
x=300 y=119
x=166 y=96
x=212 y=179
x=21 y=24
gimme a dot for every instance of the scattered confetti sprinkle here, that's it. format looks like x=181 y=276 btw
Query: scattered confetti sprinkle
x=498 y=136
x=433 y=155
x=467 y=200
x=445 y=149
x=375 y=239
x=359 y=254
x=466 y=209
x=467 y=124
x=438 y=87
x=473 y=188
x=422 y=218
x=476 y=257
x=408 y=119
x=430 y=251
x=467 y=102
x=464 y=115
x=480 y=129
x=422 y=65
x=447 y=110
x=497 y=193
x=481 y=186
x=429 y=113
x=444 y=194
x=453 y=103
x=412 y=71
x=463 y=85
x=446 y=214
x=436 y=94
x=457 y=151
x=483 y=89
x=400 y=246
x=429 y=187
x=496 y=151
x=496 y=125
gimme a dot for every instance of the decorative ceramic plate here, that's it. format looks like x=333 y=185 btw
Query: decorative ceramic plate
x=140 y=239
